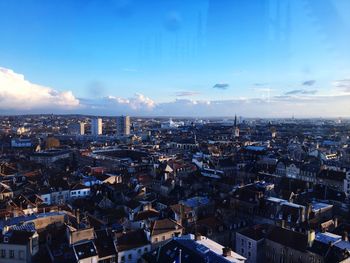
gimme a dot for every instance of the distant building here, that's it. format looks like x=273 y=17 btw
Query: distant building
x=96 y=126
x=21 y=143
x=123 y=125
x=48 y=157
x=236 y=128
x=76 y=128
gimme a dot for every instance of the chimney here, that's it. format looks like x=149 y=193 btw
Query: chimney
x=198 y=236
x=226 y=251
x=283 y=223
x=335 y=220
x=310 y=237
x=345 y=236
x=77 y=215
x=308 y=211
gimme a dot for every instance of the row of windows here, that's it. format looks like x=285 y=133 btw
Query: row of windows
x=139 y=251
x=78 y=192
x=11 y=254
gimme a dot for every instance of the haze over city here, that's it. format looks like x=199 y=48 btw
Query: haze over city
x=176 y=58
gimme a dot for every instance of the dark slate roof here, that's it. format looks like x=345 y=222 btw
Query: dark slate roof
x=288 y=238
x=256 y=232
x=104 y=243
x=85 y=250
x=132 y=239
x=164 y=226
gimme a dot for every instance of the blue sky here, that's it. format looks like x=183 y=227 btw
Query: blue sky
x=258 y=58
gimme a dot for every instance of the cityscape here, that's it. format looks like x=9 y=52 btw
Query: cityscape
x=174 y=131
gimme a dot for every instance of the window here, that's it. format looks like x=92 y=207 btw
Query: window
x=12 y=253
x=122 y=259
x=156 y=239
x=146 y=249
x=163 y=238
x=249 y=244
x=3 y=253
x=139 y=251
x=249 y=254
x=242 y=251
x=130 y=256
x=21 y=254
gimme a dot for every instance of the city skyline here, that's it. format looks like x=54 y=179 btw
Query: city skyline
x=203 y=58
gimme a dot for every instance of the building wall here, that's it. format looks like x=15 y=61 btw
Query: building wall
x=20 y=253
x=80 y=193
x=89 y=260
x=277 y=253
x=133 y=255
x=96 y=126
x=123 y=125
x=251 y=249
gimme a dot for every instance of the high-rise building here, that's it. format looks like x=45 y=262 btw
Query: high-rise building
x=123 y=125
x=76 y=128
x=236 y=128
x=96 y=126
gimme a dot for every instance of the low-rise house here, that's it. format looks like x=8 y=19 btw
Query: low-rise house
x=19 y=244
x=131 y=246
x=183 y=214
x=250 y=243
x=80 y=191
x=163 y=230
x=85 y=252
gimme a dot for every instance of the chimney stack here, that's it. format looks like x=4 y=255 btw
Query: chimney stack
x=198 y=236
x=226 y=251
x=335 y=220
x=283 y=223
x=310 y=237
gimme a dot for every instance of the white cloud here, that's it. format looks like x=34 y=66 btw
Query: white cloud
x=17 y=93
x=135 y=103
x=342 y=85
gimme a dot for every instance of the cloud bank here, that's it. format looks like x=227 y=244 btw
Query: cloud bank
x=20 y=96
x=301 y=91
x=17 y=93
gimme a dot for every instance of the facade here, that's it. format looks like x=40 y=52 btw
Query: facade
x=80 y=191
x=250 y=243
x=96 y=126
x=123 y=125
x=48 y=157
x=19 y=246
x=163 y=230
x=131 y=246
